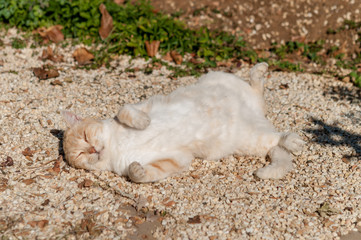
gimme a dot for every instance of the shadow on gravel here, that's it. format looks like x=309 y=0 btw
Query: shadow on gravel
x=335 y=136
x=351 y=94
x=59 y=134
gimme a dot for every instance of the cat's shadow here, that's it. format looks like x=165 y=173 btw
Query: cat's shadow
x=59 y=134
x=335 y=136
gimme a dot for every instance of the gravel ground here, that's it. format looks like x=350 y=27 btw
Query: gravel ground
x=42 y=196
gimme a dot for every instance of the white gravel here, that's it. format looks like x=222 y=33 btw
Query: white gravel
x=214 y=200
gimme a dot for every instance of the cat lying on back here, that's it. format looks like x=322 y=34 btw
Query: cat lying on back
x=157 y=138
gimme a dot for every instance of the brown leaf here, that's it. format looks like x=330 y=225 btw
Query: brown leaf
x=85 y=183
x=8 y=162
x=177 y=58
x=169 y=204
x=345 y=160
x=28 y=152
x=56 y=82
x=167 y=57
x=137 y=220
x=3 y=184
x=88 y=225
x=106 y=24
x=120 y=220
x=52 y=33
x=152 y=47
x=284 y=86
x=45 y=73
x=28 y=181
x=194 y=220
x=49 y=54
x=83 y=56
x=55 y=170
x=40 y=224
x=45 y=203
x=119 y=2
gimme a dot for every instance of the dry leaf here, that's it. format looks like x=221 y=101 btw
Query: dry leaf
x=49 y=54
x=3 y=184
x=345 y=160
x=83 y=56
x=88 y=225
x=45 y=203
x=85 y=183
x=8 y=162
x=177 y=58
x=41 y=224
x=284 y=86
x=106 y=24
x=28 y=152
x=167 y=57
x=194 y=220
x=169 y=204
x=52 y=33
x=45 y=73
x=137 y=220
x=28 y=181
x=55 y=170
x=56 y=82
x=120 y=220
x=326 y=210
x=152 y=48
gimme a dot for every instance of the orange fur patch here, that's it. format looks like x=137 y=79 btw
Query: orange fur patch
x=164 y=165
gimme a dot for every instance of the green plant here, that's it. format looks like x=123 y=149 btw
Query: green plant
x=356 y=78
x=18 y=43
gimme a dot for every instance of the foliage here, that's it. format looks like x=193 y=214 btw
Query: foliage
x=136 y=23
x=18 y=43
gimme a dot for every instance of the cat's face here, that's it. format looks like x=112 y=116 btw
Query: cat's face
x=83 y=143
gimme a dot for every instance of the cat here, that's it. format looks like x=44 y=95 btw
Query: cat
x=219 y=115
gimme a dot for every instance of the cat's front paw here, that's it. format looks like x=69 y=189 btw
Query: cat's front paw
x=133 y=118
x=142 y=121
x=136 y=172
x=292 y=142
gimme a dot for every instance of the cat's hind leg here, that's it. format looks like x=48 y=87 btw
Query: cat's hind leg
x=281 y=164
x=157 y=169
x=281 y=157
x=291 y=142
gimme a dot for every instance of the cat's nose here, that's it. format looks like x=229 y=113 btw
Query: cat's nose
x=92 y=150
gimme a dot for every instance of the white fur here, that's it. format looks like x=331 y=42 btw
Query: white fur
x=218 y=116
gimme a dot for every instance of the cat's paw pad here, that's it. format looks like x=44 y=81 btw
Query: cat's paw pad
x=142 y=121
x=272 y=172
x=292 y=142
x=136 y=172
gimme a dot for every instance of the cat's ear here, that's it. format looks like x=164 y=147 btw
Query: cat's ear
x=70 y=118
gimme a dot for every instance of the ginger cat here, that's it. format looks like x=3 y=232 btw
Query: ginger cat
x=157 y=138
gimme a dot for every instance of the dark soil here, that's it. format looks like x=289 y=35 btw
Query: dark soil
x=263 y=22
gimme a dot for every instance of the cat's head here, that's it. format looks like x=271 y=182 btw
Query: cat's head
x=84 y=142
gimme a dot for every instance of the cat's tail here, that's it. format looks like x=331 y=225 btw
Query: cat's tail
x=257 y=76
